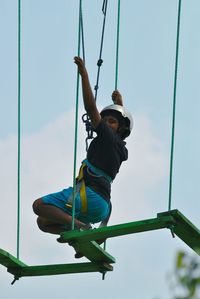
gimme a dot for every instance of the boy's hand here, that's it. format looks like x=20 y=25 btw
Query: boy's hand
x=81 y=65
x=117 y=98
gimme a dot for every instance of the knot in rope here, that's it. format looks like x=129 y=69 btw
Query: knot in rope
x=99 y=62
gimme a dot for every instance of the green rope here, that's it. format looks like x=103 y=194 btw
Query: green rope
x=19 y=127
x=174 y=105
x=117 y=46
x=76 y=116
x=116 y=73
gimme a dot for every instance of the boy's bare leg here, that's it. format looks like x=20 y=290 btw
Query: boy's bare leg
x=49 y=226
x=51 y=219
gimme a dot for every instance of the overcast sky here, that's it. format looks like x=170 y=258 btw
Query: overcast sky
x=144 y=261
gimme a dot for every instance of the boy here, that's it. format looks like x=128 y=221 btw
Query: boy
x=105 y=154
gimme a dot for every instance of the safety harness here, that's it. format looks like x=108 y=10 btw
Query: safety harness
x=80 y=185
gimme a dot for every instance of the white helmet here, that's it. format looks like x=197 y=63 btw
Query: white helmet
x=124 y=114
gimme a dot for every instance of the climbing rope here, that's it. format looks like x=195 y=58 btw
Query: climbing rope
x=85 y=117
x=19 y=128
x=76 y=115
x=174 y=105
x=82 y=33
x=100 y=60
x=117 y=45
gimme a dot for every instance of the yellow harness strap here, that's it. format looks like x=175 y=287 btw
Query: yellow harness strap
x=83 y=194
x=80 y=187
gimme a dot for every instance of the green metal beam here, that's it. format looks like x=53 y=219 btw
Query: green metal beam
x=93 y=251
x=9 y=261
x=173 y=220
x=19 y=269
x=59 y=269
x=184 y=229
x=118 y=230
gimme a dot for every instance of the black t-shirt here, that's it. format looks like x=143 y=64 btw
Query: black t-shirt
x=107 y=151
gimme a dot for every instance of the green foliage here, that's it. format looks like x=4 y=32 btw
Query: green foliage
x=186 y=284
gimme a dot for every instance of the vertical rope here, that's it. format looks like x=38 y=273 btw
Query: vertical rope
x=76 y=117
x=116 y=73
x=174 y=105
x=82 y=34
x=100 y=60
x=85 y=117
x=117 y=45
x=19 y=128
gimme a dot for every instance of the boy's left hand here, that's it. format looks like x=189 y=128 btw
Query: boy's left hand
x=81 y=65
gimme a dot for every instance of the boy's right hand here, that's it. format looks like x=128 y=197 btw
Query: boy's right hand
x=81 y=65
x=117 y=98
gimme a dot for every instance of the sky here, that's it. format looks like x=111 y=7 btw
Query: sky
x=145 y=261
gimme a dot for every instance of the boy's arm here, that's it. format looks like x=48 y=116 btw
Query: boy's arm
x=117 y=98
x=88 y=97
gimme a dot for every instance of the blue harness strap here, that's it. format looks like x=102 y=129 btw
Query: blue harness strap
x=97 y=171
x=80 y=186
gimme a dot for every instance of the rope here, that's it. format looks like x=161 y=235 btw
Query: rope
x=116 y=73
x=76 y=117
x=82 y=33
x=19 y=128
x=117 y=45
x=174 y=105
x=100 y=60
x=85 y=117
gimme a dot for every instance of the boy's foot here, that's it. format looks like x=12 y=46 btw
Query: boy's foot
x=85 y=227
x=82 y=228
x=78 y=255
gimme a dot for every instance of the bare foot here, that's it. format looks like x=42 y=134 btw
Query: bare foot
x=83 y=227
x=86 y=227
x=78 y=255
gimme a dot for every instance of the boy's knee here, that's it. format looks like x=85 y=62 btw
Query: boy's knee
x=36 y=206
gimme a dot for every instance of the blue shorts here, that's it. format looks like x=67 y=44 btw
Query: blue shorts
x=97 y=207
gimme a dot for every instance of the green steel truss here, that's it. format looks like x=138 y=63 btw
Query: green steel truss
x=100 y=261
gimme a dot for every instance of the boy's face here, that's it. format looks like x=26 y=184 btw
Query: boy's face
x=112 y=122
